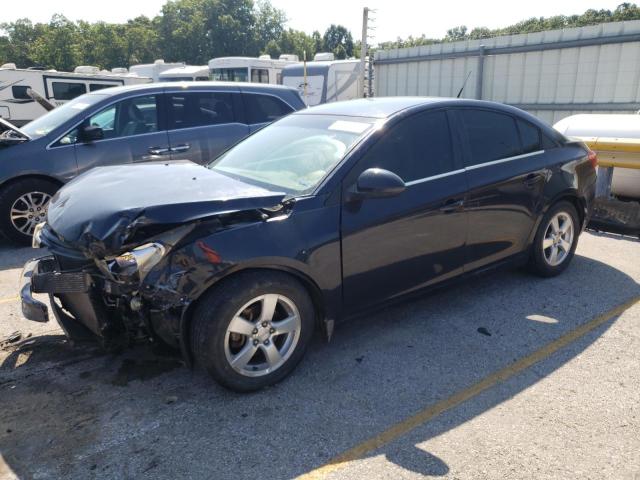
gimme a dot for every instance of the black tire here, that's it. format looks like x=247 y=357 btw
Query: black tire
x=538 y=262
x=10 y=194
x=214 y=312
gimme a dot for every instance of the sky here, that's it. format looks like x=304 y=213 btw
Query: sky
x=393 y=18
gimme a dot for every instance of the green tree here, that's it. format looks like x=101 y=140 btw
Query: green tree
x=338 y=39
x=456 y=34
x=269 y=23
x=58 y=46
x=291 y=41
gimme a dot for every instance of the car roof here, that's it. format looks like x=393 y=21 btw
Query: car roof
x=385 y=107
x=187 y=85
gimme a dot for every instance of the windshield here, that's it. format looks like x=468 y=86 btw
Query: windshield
x=43 y=125
x=294 y=154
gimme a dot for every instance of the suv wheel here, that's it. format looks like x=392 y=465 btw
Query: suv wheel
x=23 y=204
x=556 y=240
x=252 y=330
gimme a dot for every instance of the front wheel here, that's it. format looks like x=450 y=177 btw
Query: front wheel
x=556 y=240
x=252 y=330
x=23 y=204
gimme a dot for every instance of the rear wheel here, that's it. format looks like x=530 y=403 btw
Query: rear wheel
x=252 y=330
x=556 y=240
x=24 y=204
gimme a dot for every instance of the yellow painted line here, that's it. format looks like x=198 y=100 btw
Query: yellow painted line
x=9 y=299
x=456 y=399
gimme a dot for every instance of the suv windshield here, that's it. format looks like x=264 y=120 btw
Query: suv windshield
x=295 y=153
x=43 y=125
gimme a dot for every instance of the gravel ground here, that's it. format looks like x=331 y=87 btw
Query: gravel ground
x=77 y=413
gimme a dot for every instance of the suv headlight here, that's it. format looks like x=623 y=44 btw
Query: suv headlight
x=138 y=261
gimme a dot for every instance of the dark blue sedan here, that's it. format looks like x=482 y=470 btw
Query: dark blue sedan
x=322 y=215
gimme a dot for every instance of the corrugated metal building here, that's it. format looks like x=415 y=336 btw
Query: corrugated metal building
x=551 y=74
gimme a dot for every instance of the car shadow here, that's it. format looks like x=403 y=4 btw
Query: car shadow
x=75 y=421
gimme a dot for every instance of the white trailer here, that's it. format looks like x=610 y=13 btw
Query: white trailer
x=615 y=128
x=18 y=107
x=187 y=73
x=248 y=69
x=326 y=81
x=153 y=70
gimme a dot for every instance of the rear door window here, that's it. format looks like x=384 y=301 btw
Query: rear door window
x=67 y=90
x=198 y=109
x=419 y=147
x=491 y=135
x=264 y=108
x=530 y=135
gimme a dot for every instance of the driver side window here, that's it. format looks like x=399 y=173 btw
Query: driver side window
x=418 y=147
x=133 y=116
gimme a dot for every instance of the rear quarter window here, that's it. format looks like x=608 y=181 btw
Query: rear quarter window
x=530 y=135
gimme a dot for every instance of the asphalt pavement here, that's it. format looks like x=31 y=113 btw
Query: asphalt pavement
x=502 y=376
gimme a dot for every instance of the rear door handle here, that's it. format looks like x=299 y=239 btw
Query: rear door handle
x=158 y=150
x=180 y=148
x=532 y=179
x=451 y=205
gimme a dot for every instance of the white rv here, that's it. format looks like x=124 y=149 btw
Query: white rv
x=18 y=107
x=263 y=69
x=327 y=80
x=187 y=73
x=153 y=70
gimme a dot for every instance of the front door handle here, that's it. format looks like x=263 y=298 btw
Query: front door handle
x=451 y=205
x=158 y=150
x=180 y=148
x=532 y=179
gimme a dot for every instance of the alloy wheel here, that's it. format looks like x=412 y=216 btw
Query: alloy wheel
x=558 y=239
x=29 y=210
x=262 y=335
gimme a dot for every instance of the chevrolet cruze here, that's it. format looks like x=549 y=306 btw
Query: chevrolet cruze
x=324 y=214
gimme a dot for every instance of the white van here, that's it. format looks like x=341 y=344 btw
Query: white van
x=263 y=69
x=187 y=73
x=17 y=106
x=327 y=80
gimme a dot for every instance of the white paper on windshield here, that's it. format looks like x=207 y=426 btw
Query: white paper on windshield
x=80 y=106
x=351 y=127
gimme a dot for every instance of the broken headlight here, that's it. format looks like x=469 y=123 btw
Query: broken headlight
x=136 y=263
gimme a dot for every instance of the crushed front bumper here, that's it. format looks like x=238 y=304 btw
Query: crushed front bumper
x=42 y=275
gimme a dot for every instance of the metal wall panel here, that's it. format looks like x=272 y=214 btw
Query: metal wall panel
x=597 y=65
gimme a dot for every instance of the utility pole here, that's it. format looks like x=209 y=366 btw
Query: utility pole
x=363 y=46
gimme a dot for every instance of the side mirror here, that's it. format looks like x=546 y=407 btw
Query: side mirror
x=378 y=183
x=89 y=133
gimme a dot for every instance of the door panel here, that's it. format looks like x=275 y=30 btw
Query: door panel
x=506 y=174
x=203 y=144
x=139 y=148
x=395 y=245
x=202 y=124
x=391 y=246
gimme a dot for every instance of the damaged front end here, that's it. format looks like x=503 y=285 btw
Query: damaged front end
x=124 y=275
x=97 y=298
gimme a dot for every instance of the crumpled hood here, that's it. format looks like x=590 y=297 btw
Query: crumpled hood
x=100 y=209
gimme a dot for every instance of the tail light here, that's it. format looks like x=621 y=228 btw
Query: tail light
x=593 y=158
